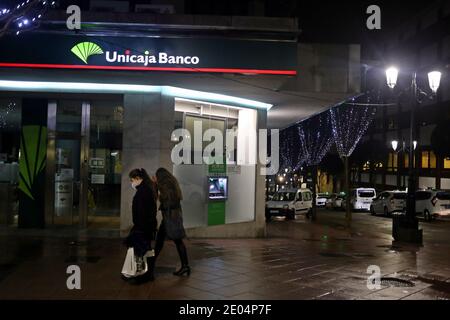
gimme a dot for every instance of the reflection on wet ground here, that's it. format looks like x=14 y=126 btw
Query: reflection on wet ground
x=298 y=260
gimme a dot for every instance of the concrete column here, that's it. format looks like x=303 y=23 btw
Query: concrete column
x=147 y=124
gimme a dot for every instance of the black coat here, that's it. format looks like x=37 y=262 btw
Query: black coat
x=144 y=210
x=144 y=220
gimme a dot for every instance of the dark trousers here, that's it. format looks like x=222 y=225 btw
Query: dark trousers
x=181 y=248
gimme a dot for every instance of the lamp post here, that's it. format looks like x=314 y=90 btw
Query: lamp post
x=404 y=149
x=406 y=228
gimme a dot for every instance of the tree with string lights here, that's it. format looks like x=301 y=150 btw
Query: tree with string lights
x=308 y=141
x=349 y=124
x=23 y=15
x=315 y=140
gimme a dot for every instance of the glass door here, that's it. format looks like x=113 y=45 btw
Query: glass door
x=66 y=178
x=105 y=163
x=84 y=157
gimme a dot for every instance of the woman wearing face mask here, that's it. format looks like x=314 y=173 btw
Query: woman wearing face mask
x=172 y=223
x=144 y=220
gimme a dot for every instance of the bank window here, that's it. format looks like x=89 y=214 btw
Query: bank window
x=105 y=162
x=10 y=132
x=425 y=159
x=433 y=160
x=428 y=160
x=392 y=164
x=447 y=163
x=206 y=123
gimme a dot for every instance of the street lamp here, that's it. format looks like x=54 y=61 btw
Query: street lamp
x=394 y=144
x=402 y=148
x=407 y=228
x=391 y=77
x=434 y=79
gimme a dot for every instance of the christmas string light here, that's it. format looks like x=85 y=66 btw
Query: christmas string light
x=291 y=155
x=23 y=16
x=315 y=138
x=349 y=124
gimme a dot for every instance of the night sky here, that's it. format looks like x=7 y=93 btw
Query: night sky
x=345 y=21
x=326 y=21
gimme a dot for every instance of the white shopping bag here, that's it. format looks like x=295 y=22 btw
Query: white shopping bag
x=130 y=266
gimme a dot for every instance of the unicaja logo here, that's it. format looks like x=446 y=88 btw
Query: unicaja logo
x=146 y=58
x=84 y=50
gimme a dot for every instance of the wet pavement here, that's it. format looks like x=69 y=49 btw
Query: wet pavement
x=298 y=260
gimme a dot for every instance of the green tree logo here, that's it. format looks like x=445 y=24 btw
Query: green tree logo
x=33 y=156
x=84 y=50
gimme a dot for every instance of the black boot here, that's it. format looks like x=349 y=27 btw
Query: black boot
x=182 y=252
x=183 y=270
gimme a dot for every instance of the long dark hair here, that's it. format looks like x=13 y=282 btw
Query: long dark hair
x=142 y=174
x=168 y=186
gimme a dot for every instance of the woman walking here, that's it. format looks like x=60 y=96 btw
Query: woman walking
x=171 y=226
x=144 y=221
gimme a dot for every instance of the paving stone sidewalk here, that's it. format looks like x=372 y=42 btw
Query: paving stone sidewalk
x=298 y=260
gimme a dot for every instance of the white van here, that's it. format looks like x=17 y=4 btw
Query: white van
x=289 y=203
x=361 y=198
x=433 y=204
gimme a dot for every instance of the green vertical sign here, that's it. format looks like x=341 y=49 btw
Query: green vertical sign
x=32 y=163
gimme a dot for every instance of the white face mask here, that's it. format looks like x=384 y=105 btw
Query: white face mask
x=134 y=185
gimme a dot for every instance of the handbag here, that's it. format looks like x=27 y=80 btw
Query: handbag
x=173 y=223
x=135 y=266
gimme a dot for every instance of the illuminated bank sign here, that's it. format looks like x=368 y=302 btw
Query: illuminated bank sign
x=84 y=50
x=211 y=55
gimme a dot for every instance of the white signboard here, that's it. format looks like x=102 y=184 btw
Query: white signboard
x=98 y=179
x=97 y=163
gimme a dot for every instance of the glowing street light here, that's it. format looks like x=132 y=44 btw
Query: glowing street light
x=434 y=80
x=391 y=77
x=394 y=144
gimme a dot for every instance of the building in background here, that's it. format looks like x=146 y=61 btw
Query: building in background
x=81 y=109
x=421 y=43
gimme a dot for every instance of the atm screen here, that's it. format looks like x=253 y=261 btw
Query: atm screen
x=218 y=188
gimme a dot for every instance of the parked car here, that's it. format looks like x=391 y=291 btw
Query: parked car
x=330 y=201
x=433 y=204
x=361 y=198
x=321 y=199
x=338 y=202
x=289 y=203
x=388 y=202
x=334 y=201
